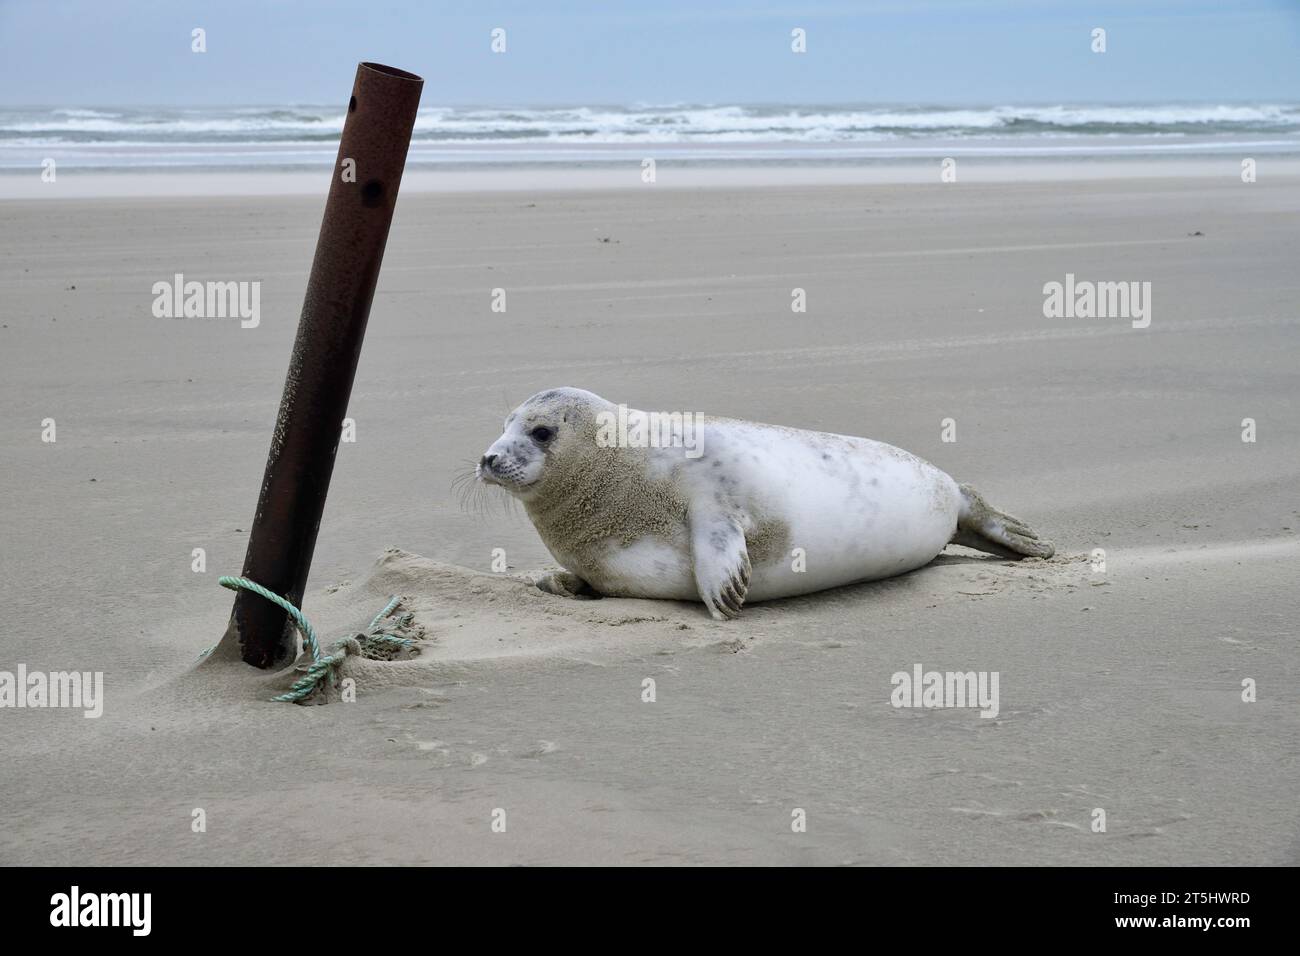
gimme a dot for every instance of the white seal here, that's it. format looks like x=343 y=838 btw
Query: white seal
x=684 y=507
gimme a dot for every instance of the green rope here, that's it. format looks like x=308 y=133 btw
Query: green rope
x=388 y=609
x=324 y=666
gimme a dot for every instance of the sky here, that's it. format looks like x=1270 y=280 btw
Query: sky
x=655 y=52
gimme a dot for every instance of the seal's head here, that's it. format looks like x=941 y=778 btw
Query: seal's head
x=558 y=422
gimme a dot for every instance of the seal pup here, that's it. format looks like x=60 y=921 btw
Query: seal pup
x=725 y=511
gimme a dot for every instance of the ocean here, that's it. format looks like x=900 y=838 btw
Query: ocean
x=306 y=136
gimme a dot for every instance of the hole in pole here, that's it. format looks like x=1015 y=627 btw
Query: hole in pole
x=352 y=105
x=372 y=193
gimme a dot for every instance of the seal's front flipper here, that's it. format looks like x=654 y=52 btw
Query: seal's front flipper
x=566 y=584
x=719 y=562
x=984 y=528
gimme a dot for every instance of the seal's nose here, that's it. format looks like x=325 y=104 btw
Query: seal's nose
x=488 y=461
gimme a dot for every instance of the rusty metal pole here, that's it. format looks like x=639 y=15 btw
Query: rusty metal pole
x=376 y=134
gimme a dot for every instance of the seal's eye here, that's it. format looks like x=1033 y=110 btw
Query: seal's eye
x=542 y=433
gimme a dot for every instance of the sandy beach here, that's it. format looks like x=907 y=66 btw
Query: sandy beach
x=1121 y=688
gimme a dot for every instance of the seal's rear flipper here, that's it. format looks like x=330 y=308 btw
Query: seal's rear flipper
x=984 y=528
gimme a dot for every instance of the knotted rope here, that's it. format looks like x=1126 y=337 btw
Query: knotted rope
x=324 y=667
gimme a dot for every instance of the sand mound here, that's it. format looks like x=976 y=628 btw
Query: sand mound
x=466 y=618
